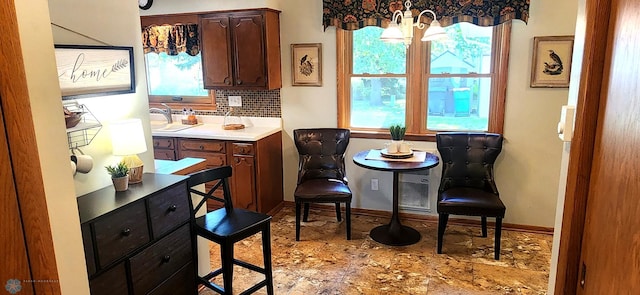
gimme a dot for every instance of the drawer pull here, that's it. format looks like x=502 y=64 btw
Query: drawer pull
x=173 y=208
x=126 y=232
x=202 y=147
x=166 y=258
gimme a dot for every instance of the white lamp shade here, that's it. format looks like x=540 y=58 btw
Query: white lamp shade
x=392 y=34
x=434 y=32
x=127 y=137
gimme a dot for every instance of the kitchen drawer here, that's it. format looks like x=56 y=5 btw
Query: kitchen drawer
x=164 y=143
x=243 y=149
x=150 y=267
x=112 y=282
x=168 y=209
x=202 y=145
x=212 y=159
x=119 y=233
x=160 y=154
x=181 y=283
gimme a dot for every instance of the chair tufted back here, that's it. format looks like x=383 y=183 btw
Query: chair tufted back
x=321 y=153
x=468 y=159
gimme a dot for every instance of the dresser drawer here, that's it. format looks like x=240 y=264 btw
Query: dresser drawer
x=243 y=149
x=112 y=282
x=168 y=209
x=162 y=259
x=202 y=145
x=119 y=233
x=88 y=248
x=164 y=143
x=181 y=283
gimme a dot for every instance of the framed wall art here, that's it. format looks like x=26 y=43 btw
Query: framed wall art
x=89 y=70
x=306 y=64
x=551 y=65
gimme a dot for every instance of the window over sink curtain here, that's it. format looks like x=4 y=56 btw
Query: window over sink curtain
x=171 y=39
x=356 y=14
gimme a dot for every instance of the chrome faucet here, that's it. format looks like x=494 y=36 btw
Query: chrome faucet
x=166 y=112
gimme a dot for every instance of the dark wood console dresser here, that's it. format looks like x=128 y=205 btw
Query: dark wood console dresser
x=139 y=241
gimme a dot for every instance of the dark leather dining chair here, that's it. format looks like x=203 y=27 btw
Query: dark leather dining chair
x=226 y=226
x=321 y=171
x=467 y=186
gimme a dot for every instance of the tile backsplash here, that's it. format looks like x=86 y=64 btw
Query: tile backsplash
x=255 y=103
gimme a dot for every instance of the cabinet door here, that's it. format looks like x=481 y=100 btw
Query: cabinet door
x=243 y=183
x=216 y=51
x=248 y=41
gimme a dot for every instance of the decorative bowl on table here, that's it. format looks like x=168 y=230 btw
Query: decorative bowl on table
x=397 y=155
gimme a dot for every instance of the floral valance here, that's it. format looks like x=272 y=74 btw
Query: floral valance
x=356 y=14
x=171 y=39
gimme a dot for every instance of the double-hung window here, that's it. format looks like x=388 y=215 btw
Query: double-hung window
x=173 y=62
x=456 y=84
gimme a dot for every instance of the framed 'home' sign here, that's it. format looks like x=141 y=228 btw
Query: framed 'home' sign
x=89 y=70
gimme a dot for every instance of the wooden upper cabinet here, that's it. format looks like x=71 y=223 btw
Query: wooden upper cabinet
x=241 y=49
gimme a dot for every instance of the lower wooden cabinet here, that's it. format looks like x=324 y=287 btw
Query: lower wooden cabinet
x=256 y=183
x=139 y=241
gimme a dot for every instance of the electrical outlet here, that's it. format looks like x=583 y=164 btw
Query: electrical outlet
x=374 y=184
x=235 y=101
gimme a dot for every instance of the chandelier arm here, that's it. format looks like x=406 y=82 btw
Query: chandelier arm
x=419 y=24
x=396 y=15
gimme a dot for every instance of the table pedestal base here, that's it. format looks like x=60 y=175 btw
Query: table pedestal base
x=395 y=234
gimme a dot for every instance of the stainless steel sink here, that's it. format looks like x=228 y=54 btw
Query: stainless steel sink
x=165 y=127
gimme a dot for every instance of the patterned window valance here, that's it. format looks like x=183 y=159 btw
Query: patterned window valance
x=171 y=39
x=356 y=14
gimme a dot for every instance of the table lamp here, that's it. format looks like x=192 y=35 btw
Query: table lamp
x=127 y=139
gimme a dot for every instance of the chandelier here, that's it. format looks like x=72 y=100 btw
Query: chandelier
x=403 y=32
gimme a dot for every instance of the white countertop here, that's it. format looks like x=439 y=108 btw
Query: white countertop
x=256 y=128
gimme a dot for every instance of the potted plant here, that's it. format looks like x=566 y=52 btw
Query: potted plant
x=120 y=176
x=397 y=132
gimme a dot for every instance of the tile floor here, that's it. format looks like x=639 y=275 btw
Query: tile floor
x=324 y=262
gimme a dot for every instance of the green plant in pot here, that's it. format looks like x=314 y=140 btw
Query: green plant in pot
x=397 y=132
x=119 y=175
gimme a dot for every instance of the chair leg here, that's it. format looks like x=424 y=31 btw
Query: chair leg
x=498 y=235
x=338 y=214
x=305 y=218
x=348 y=217
x=266 y=252
x=442 y=224
x=298 y=205
x=226 y=252
x=484 y=226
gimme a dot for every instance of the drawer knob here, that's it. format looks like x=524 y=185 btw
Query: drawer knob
x=166 y=258
x=173 y=208
x=202 y=147
x=126 y=232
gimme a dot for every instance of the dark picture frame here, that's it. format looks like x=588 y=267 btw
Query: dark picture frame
x=551 y=64
x=306 y=64
x=92 y=70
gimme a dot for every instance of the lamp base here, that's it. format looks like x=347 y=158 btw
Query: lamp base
x=135 y=175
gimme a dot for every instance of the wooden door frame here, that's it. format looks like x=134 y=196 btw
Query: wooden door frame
x=23 y=149
x=597 y=14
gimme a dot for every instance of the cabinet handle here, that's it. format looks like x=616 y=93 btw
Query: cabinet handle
x=126 y=232
x=166 y=258
x=173 y=208
x=202 y=147
x=239 y=82
x=227 y=81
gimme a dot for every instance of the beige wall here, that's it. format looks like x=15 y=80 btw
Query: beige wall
x=115 y=23
x=527 y=172
x=44 y=92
